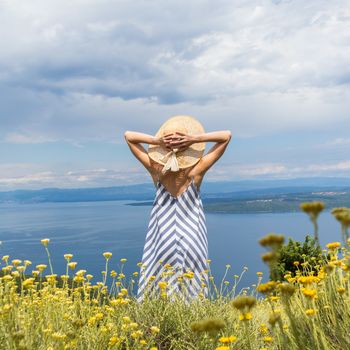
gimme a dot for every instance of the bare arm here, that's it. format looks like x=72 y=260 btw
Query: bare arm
x=214 y=136
x=139 y=137
x=222 y=139
x=134 y=140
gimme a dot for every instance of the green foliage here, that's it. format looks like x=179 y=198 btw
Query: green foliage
x=307 y=251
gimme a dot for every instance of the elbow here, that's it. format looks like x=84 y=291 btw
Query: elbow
x=127 y=135
x=228 y=135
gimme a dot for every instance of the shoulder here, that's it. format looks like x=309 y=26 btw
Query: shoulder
x=155 y=170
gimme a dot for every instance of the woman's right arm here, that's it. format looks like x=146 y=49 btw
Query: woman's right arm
x=134 y=140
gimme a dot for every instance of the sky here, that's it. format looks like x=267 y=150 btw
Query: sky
x=75 y=75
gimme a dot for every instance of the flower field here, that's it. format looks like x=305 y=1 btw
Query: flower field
x=308 y=309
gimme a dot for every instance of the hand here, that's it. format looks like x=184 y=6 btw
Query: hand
x=165 y=140
x=181 y=141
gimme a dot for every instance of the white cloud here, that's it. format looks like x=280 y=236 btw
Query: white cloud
x=17 y=175
x=30 y=176
x=74 y=72
x=278 y=170
x=15 y=137
x=92 y=69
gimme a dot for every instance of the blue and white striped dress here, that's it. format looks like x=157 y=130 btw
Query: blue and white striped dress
x=176 y=237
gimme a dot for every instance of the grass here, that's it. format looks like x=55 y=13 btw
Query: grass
x=309 y=309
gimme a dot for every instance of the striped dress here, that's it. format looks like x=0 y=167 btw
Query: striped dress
x=176 y=246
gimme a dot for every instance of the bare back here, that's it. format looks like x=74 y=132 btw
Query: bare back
x=175 y=182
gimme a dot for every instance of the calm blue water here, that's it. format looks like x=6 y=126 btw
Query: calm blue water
x=89 y=229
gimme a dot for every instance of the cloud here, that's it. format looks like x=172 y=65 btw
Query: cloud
x=32 y=176
x=14 y=176
x=84 y=73
x=75 y=72
x=26 y=138
x=279 y=170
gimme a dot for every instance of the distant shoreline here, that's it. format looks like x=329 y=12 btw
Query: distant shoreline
x=263 y=196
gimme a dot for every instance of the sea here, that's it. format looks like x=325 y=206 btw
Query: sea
x=88 y=229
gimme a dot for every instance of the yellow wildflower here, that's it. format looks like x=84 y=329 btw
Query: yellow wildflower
x=45 y=242
x=210 y=325
x=162 y=284
x=272 y=240
x=72 y=265
x=107 y=255
x=41 y=267
x=310 y=312
x=244 y=302
x=263 y=329
x=341 y=290
x=155 y=330
x=312 y=208
x=308 y=279
x=333 y=245
x=114 y=340
x=245 y=316
x=266 y=287
x=16 y=262
x=226 y=340
x=28 y=283
x=68 y=257
x=189 y=274
x=310 y=293
x=5 y=257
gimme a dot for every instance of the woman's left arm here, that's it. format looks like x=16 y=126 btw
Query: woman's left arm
x=222 y=138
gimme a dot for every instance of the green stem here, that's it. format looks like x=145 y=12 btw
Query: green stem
x=314 y=221
x=246 y=329
x=49 y=257
x=106 y=270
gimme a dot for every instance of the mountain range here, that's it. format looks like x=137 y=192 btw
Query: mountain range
x=218 y=191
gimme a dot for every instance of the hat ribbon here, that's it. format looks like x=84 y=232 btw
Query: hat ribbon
x=171 y=161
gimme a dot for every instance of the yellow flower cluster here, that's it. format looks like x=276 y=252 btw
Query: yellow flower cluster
x=333 y=245
x=227 y=340
x=68 y=310
x=305 y=280
x=309 y=293
x=312 y=208
x=267 y=287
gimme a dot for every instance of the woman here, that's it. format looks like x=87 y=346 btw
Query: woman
x=176 y=245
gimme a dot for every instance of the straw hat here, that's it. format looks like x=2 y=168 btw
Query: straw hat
x=174 y=159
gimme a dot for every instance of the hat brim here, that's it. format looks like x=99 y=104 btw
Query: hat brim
x=187 y=125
